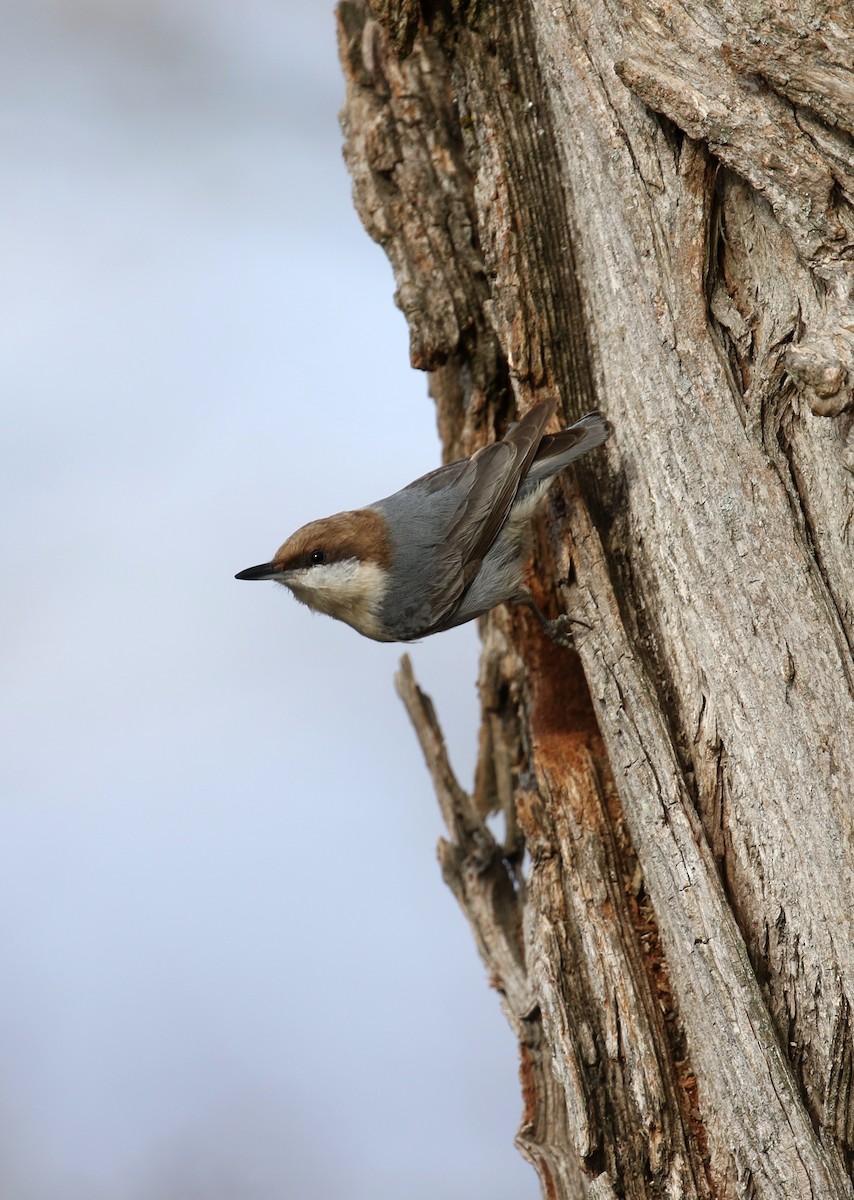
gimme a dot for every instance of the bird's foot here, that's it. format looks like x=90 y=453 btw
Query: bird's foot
x=559 y=630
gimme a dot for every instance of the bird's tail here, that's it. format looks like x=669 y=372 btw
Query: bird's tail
x=558 y=450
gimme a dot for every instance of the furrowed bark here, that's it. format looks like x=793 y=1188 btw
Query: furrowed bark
x=648 y=209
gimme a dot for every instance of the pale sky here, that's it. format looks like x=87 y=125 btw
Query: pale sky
x=230 y=968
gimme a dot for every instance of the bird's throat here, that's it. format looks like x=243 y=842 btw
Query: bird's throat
x=351 y=591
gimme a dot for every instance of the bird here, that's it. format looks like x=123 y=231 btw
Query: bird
x=443 y=550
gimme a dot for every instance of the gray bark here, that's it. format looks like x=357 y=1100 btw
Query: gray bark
x=648 y=209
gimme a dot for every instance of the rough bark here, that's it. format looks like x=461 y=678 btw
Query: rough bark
x=648 y=208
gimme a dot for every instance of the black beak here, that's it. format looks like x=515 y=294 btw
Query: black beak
x=264 y=571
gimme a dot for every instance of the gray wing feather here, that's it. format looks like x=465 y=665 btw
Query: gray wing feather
x=494 y=476
x=444 y=523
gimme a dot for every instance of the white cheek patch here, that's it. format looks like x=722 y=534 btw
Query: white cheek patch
x=349 y=590
x=341 y=577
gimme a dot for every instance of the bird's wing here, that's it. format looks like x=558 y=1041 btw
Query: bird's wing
x=483 y=488
x=490 y=483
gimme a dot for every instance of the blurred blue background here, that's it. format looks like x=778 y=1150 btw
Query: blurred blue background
x=230 y=968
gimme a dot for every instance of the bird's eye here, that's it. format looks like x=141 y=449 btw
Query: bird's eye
x=317 y=557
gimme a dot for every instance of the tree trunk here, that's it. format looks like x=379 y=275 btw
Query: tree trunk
x=647 y=208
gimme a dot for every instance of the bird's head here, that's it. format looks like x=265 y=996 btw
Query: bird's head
x=338 y=565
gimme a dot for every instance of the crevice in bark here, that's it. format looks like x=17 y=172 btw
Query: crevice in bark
x=508 y=123
x=728 y=316
x=778 y=419
x=807 y=519
x=840 y=1084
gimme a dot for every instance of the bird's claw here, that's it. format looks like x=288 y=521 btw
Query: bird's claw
x=560 y=630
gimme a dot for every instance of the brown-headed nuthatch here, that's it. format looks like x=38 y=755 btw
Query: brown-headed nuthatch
x=445 y=549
